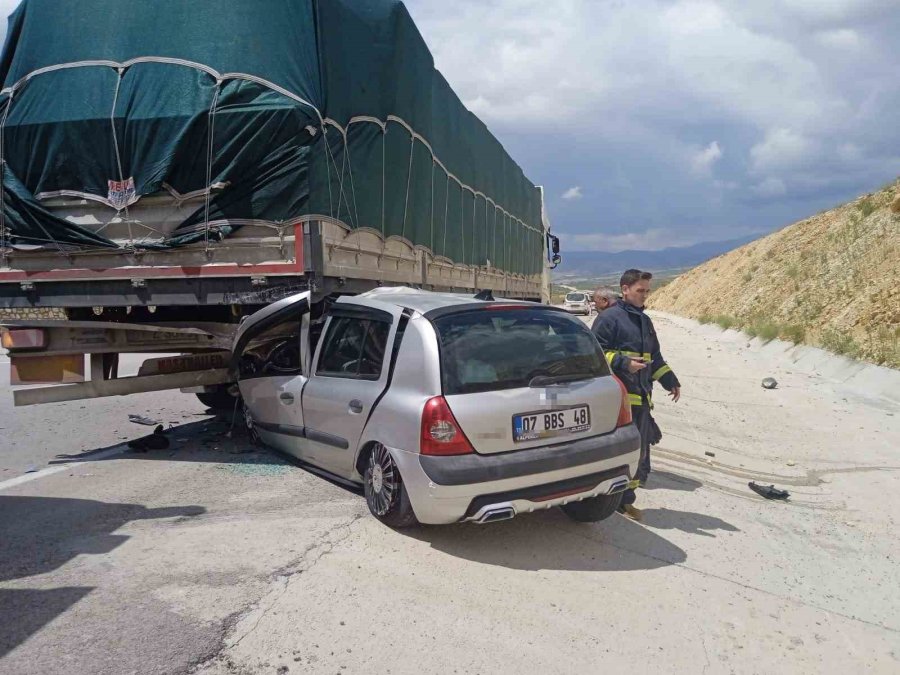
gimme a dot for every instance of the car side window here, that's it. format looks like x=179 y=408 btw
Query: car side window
x=354 y=348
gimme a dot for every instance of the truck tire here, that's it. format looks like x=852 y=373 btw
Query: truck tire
x=385 y=492
x=218 y=399
x=593 y=510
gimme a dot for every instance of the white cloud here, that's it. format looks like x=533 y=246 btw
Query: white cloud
x=770 y=187
x=781 y=149
x=703 y=160
x=575 y=59
x=573 y=193
x=841 y=38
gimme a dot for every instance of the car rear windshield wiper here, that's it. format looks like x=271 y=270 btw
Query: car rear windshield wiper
x=550 y=380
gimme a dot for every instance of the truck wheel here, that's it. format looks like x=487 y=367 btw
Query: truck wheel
x=218 y=399
x=593 y=510
x=385 y=493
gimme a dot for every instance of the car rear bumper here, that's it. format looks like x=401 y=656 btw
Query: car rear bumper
x=465 y=487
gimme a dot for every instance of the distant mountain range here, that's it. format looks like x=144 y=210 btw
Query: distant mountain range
x=597 y=263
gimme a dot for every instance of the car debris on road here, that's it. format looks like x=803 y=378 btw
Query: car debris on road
x=140 y=419
x=155 y=441
x=769 y=491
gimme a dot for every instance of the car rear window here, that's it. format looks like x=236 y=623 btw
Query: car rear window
x=575 y=297
x=490 y=350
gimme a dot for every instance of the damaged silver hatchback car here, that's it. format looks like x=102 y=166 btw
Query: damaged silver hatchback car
x=444 y=407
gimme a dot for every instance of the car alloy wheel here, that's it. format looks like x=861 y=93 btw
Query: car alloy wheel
x=381 y=481
x=249 y=424
x=385 y=492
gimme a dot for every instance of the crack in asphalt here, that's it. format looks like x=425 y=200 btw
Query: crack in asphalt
x=705 y=652
x=303 y=563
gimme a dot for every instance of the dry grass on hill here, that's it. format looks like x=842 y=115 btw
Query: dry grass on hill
x=832 y=280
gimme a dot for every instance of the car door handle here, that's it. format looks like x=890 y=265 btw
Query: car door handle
x=286 y=397
x=356 y=406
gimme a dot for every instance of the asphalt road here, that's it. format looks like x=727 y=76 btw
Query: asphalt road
x=32 y=437
x=216 y=557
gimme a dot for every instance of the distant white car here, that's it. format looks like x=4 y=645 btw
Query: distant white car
x=578 y=303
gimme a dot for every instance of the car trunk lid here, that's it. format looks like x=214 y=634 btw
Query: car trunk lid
x=519 y=377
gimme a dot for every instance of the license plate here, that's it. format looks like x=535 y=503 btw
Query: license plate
x=549 y=423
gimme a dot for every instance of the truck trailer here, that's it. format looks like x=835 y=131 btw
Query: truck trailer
x=170 y=167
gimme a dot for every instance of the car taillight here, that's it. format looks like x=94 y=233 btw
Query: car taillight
x=23 y=339
x=625 y=409
x=441 y=434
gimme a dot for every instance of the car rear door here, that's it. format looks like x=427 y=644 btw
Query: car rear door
x=269 y=353
x=520 y=377
x=349 y=374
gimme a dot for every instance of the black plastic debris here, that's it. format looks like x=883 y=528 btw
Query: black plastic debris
x=487 y=295
x=769 y=383
x=155 y=441
x=769 y=491
x=146 y=421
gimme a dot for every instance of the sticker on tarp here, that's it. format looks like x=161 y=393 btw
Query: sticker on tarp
x=121 y=193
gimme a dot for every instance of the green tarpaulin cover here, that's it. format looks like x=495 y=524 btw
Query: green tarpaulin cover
x=287 y=108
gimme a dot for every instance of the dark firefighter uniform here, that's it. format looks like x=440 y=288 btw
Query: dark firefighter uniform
x=624 y=332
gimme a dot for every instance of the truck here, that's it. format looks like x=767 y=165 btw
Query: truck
x=169 y=168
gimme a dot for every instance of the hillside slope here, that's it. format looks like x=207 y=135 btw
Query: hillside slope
x=832 y=280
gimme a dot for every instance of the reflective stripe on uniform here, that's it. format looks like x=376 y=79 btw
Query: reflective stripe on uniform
x=637 y=400
x=661 y=371
x=610 y=356
x=637 y=355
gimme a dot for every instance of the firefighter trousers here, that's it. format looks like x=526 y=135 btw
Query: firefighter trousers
x=640 y=414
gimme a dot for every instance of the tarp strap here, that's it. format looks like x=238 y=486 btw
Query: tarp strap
x=446 y=216
x=115 y=135
x=432 y=206
x=3 y=244
x=462 y=225
x=341 y=198
x=474 y=231
x=209 y=160
x=328 y=169
x=383 y=166
x=346 y=165
x=486 y=218
x=352 y=186
x=412 y=147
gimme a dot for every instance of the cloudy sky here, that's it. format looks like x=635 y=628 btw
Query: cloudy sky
x=654 y=123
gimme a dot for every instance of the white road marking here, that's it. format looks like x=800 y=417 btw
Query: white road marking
x=50 y=470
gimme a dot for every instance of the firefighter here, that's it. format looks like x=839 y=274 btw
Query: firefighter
x=629 y=340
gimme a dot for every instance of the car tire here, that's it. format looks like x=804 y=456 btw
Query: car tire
x=384 y=490
x=250 y=424
x=218 y=399
x=594 y=509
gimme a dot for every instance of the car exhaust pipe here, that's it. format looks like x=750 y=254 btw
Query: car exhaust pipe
x=619 y=484
x=493 y=514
